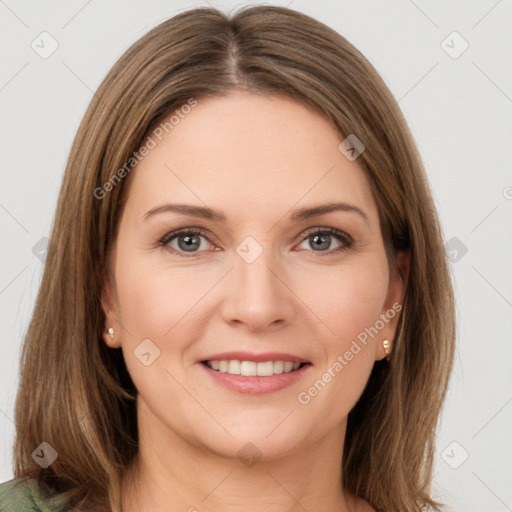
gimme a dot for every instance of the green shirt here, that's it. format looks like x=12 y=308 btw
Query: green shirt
x=20 y=495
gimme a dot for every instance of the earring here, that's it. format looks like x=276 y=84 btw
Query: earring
x=386 y=346
x=111 y=332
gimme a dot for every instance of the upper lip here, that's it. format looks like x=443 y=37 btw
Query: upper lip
x=248 y=356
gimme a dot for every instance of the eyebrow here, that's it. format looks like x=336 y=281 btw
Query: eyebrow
x=297 y=215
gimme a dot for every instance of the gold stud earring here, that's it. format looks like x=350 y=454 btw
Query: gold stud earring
x=386 y=346
x=111 y=332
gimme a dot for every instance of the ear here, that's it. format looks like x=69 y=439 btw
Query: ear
x=390 y=313
x=109 y=306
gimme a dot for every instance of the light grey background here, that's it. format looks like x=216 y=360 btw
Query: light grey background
x=459 y=110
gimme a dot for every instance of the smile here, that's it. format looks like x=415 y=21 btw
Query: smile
x=252 y=368
x=254 y=378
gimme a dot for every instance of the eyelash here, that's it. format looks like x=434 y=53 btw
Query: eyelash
x=340 y=235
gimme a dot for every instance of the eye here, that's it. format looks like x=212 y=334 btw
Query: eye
x=190 y=240
x=185 y=240
x=321 y=238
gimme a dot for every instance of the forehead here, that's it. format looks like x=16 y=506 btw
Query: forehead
x=248 y=152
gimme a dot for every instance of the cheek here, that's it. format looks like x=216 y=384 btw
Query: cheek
x=360 y=302
x=349 y=304
x=153 y=299
x=160 y=304
x=165 y=304
x=348 y=299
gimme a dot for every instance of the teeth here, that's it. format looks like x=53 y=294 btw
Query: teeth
x=248 y=368
x=278 y=367
x=234 y=367
x=253 y=369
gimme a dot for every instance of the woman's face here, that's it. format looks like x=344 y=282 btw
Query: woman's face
x=256 y=281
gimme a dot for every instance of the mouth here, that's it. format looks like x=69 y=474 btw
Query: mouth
x=254 y=377
x=254 y=368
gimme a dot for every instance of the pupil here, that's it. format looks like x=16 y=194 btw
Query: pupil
x=191 y=242
x=323 y=239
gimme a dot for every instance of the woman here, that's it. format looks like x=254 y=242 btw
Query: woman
x=246 y=301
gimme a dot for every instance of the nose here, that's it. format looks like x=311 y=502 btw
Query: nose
x=256 y=294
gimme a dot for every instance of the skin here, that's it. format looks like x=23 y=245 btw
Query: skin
x=256 y=158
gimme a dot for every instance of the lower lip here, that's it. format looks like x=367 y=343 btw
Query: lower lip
x=256 y=385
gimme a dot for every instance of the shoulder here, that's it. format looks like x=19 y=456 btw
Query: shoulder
x=25 y=495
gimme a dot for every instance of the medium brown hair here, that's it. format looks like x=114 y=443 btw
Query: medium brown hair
x=76 y=394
